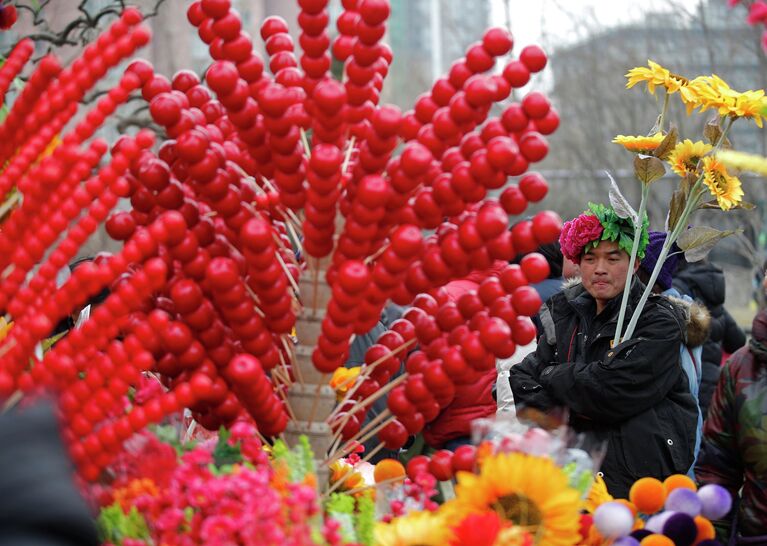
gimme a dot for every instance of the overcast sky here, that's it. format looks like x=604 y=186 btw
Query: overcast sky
x=551 y=22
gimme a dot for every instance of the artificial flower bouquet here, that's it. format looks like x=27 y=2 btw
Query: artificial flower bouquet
x=705 y=172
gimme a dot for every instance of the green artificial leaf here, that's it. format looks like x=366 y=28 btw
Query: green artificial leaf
x=698 y=241
x=225 y=454
x=114 y=525
x=667 y=145
x=648 y=169
x=621 y=230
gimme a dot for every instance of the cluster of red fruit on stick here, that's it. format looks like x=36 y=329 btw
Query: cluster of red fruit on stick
x=257 y=165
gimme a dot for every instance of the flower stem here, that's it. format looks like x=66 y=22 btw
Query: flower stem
x=662 y=118
x=632 y=261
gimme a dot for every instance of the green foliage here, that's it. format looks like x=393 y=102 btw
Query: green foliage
x=299 y=461
x=340 y=507
x=365 y=519
x=225 y=454
x=620 y=230
x=356 y=515
x=114 y=525
x=168 y=434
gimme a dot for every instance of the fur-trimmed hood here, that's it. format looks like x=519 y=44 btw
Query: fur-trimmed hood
x=697 y=318
x=696 y=315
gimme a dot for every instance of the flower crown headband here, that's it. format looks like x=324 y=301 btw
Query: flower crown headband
x=600 y=223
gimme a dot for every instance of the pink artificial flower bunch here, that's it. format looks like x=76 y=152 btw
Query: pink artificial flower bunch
x=577 y=233
x=203 y=501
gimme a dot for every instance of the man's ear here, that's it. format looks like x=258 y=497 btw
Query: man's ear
x=637 y=263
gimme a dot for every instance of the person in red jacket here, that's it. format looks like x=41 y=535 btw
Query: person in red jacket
x=452 y=427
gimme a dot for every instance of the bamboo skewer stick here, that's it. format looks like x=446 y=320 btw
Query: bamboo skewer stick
x=347 y=448
x=375 y=485
x=316 y=398
x=315 y=285
x=366 y=372
x=348 y=155
x=364 y=430
x=372 y=398
x=346 y=476
x=296 y=367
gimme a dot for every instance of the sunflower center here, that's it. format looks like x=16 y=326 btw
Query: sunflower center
x=691 y=162
x=719 y=182
x=519 y=509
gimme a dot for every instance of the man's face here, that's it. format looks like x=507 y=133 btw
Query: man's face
x=603 y=270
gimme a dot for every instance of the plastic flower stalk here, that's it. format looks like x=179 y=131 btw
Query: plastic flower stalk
x=632 y=261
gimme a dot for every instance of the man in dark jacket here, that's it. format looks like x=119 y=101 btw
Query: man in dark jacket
x=703 y=281
x=734 y=450
x=635 y=396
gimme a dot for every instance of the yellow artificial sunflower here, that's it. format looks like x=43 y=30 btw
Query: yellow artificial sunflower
x=598 y=495
x=5 y=327
x=343 y=379
x=714 y=93
x=339 y=469
x=655 y=76
x=531 y=492
x=640 y=144
x=685 y=156
x=743 y=161
x=415 y=529
x=722 y=185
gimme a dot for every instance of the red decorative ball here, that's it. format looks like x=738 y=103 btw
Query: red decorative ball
x=497 y=41
x=534 y=187
x=546 y=226
x=533 y=57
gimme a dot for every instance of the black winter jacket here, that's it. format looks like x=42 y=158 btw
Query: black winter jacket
x=635 y=397
x=704 y=282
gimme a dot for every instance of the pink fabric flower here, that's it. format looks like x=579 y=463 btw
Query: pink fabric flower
x=577 y=233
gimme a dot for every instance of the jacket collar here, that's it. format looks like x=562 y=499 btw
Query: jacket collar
x=585 y=305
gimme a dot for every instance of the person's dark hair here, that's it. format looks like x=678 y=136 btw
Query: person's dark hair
x=553 y=254
x=99 y=298
x=67 y=323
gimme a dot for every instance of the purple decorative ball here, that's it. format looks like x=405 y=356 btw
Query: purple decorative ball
x=681 y=529
x=655 y=523
x=716 y=501
x=709 y=542
x=685 y=501
x=639 y=534
x=626 y=541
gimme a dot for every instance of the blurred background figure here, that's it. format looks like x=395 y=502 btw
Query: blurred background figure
x=39 y=505
x=734 y=450
x=704 y=282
